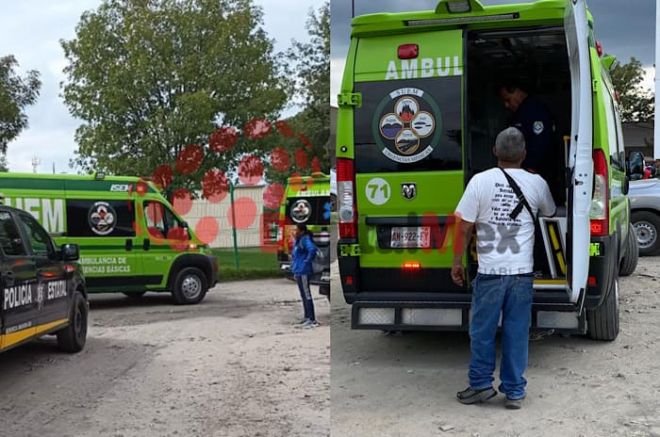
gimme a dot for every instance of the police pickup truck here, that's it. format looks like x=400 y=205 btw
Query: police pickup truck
x=42 y=288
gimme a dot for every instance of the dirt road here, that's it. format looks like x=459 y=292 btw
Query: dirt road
x=405 y=385
x=231 y=366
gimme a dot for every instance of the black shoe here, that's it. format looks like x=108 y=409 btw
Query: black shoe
x=513 y=404
x=470 y=396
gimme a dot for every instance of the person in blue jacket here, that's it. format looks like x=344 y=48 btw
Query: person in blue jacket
x=304 y=251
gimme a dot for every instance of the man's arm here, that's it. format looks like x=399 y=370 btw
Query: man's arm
x=461 y=243
x=547 y=207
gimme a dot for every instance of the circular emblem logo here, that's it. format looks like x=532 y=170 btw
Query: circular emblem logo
x=407 y=125
x=102 y=218
x=538 y=127
x=301 y=211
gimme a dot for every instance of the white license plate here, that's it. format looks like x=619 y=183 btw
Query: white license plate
x=404 y=237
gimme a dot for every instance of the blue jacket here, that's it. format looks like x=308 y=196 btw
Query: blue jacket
x=304 y=251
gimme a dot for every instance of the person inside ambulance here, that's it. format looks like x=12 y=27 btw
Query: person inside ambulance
x=534 y=120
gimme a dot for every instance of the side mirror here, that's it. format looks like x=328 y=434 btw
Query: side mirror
x=70 y=252
x=635 y=164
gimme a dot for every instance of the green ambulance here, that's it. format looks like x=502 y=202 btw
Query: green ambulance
x=130 y=238
x=418 y=116
x=307 y=200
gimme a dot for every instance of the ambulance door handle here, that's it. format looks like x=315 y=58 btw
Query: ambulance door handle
x=129 y=245
x=146 y=244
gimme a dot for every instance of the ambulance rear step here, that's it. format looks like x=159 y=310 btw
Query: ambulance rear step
x=409 y=316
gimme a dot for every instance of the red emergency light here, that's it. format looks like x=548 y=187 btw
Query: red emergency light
x=408 y=51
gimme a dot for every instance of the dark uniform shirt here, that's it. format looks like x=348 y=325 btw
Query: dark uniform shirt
x=535 y=122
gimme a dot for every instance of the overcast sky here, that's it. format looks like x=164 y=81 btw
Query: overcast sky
x=31 y=30
x=624 y=28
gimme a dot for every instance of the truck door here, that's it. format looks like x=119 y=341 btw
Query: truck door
x=580 y=155
x=51 y=292
x=18 y=274
x=165 y=238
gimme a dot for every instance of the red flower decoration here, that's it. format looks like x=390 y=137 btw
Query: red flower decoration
x=223 y=139
x=316 y=164
x=302 y=161
x=250 y=170
x=189 y=159
x=273 y=195
x=163 y=175
x=279 y=159
x=257 y=128
x=215 y=185
x=284 y=129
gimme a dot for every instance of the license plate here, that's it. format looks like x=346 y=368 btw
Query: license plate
x=416 y=237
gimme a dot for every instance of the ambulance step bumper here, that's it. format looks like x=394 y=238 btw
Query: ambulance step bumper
x=452 y=316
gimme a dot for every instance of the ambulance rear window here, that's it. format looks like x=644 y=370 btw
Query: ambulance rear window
x=409 y=125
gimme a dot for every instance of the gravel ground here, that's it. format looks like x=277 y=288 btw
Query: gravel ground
x=405 y=385
x=233 y=365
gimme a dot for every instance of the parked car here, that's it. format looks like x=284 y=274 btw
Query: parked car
x=644 y=198
x=42 y=287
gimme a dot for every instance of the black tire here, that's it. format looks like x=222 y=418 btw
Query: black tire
x=603 y=322
x=189 y=286
x=647 y=230
x=135 y=295
x=72 y=338
x=629 y=261
x=324 y=290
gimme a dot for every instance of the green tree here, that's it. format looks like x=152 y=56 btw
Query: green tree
x=4 y=166
x=150 y=77
x=637 y=103
x=309 y=62
x=16 y=93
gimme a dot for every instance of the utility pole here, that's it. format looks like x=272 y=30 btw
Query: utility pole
x=35 y=163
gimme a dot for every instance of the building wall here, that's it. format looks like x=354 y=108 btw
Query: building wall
x=249 y=214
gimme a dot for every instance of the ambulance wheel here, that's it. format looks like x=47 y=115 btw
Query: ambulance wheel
x=629 y=261
x=324 y=290
x=189 y=286
x=72 y=338
x=603 y=322
x=136 y=295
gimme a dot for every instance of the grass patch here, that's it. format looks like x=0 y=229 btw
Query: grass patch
x=254 y=263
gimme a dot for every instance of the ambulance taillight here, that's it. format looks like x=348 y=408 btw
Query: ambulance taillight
x=599 y=213
x=346 y=199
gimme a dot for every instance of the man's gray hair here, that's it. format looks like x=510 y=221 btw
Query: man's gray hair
x=510 y=145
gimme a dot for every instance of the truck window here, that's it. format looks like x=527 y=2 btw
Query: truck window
x=91 y=218
x=10 y=239
x=37 y=237
x=162 y=223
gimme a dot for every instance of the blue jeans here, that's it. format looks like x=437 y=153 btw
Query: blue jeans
x=512 y=295
x=306 y=296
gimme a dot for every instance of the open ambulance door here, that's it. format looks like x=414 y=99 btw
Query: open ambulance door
x=580 y=155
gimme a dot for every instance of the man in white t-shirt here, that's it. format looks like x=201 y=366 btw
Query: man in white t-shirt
x=505 y=223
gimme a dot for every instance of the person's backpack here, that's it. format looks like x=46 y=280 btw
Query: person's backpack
x=320 y=263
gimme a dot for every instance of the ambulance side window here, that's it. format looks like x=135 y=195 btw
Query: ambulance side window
x=10 y=239
x=161 y=222
x=37 y=237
